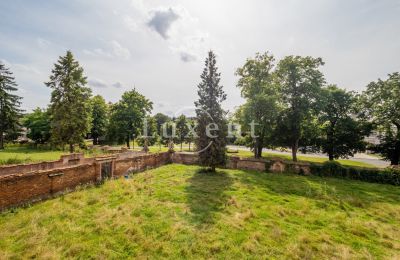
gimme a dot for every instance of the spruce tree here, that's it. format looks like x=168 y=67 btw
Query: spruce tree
x=211 y=129
x=70 y=102
x=9 y=104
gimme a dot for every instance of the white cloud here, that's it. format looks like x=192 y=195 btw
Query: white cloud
x=97 y=83
x=43 y=43
x=120 y=51
x=115 y=50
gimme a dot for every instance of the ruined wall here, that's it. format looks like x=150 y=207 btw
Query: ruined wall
x=16 y=189
x=262 y=165
x=22 y=185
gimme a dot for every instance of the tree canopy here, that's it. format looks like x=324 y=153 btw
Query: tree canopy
x=69 y=106
x=381 y=103
x=10 y=111
x=211 y=128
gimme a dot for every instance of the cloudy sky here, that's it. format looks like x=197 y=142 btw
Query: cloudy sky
x=159 y=46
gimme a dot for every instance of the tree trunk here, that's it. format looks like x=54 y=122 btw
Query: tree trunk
x=189 y=146
x=256 y=147
x=95 y=140
x=396 y=154
x=128 y=142
x=295 y=146
x=181 y=145
x=213 y=168
x=1 y=141
x=71 y=148
x=330 y=156
x=133 y=143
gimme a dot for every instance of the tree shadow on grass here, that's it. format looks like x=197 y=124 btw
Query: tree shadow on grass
x=206 y=195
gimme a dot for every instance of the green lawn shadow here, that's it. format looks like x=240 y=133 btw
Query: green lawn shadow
x=206 y=195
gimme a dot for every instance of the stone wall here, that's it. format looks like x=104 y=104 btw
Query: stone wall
x=262 y=165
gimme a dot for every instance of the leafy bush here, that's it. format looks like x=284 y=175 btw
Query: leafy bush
x=335 y=169
x=14 y=160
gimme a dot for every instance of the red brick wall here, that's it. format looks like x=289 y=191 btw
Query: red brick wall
x=17 y=189
x=24 y=187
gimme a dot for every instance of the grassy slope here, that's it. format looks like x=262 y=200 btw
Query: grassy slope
x=176 y=212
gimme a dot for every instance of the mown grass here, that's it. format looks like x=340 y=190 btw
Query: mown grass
x=178 y=212
x=18 y=154
x=269 y=155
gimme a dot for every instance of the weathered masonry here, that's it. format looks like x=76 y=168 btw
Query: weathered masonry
x=21 y=184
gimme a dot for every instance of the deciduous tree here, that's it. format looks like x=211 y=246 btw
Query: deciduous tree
x=382 y=105
x=343 y=132
x=38 y=125
x=300 y=83
x=99 y=118
x=262 y=100
x=127 y=115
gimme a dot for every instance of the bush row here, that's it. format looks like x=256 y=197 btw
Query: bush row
x=335 y=169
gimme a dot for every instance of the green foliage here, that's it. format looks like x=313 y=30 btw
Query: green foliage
x=70 y=107
x=99 y=118
x=38 y=125
x=262 y=101
x=343 y=133
x=335 y=169
x=382 y=106
x=10 y=111
x=182 y=128
x=126 y=119
x=209 y=113
x=151 y=132
x=300 y=83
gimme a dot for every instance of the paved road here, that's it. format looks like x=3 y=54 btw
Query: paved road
x=360 y=157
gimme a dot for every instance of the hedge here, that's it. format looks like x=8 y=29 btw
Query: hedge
x=335 y=169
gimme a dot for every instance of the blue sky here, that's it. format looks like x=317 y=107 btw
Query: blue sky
x=159 y=46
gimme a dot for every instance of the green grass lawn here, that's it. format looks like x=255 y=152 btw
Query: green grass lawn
x=177 y=212
x=17 y=154
x=269 y=155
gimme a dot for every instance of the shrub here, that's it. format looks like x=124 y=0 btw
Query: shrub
x=335 y=169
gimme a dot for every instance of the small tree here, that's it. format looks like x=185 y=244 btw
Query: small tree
x=38 y=124
x=10 y=111
x=149 y=132
x=190 y=137
x=300 y=82
x=161 y=119
x=69 y=106
x=99 y=118
x=127 y=115
x=211 y=129
x=182 y=128
x=382 y=105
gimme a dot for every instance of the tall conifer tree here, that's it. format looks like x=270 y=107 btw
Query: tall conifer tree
x=9 y=104
x=70 y=102
x=211 y=129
